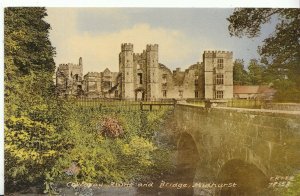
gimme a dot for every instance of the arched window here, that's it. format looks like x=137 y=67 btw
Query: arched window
x=140 y=78
x=164 y=80
x=196 y=79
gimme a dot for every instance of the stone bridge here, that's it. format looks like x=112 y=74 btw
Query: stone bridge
x=230 y=145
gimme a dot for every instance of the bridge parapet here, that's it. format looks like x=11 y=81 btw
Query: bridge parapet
x=269 y=140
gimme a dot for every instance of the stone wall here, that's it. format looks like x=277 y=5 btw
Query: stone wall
x=283 y=106
x=266 y=141
x=126 y=68
x=69 y=79
x=142 y=77
x=218 y=63
x=145 y=78
x=182 y=84
x=92 y=84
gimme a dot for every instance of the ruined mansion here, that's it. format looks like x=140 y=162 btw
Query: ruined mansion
x=142 y=77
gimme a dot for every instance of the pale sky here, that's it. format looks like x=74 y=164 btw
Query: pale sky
x=96 y=34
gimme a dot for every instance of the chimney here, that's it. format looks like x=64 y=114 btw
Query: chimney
x=80 y=61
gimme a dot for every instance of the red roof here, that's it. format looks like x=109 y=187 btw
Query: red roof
x=245 y=89
x=266 y=89
x=254 y=89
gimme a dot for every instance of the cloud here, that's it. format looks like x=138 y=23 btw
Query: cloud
x=101 y=50
x=63 y=23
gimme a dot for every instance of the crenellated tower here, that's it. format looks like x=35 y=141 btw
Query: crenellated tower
x=80 y=65
x=126 y=69
x=69 y=78
x=218 y=74
x=152 y=87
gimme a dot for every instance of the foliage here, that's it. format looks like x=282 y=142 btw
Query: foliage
x=287 y=91
x=254 y=76
x=110 y=127
x=27 y=41
x=240 y=75
x=280 y=52
x=256 y=72
x=111 y=159
x=292 y=187
x=34 y=118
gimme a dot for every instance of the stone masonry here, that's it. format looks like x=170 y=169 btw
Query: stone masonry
x=245 y=146
x=142 y=77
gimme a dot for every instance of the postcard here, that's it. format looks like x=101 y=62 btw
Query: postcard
x=151 y=101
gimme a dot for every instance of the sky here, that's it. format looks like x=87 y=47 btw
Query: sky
x=96 y=35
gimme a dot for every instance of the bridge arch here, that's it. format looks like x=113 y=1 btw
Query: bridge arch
x=187 y=161
x=261 y=142
x=249 y=179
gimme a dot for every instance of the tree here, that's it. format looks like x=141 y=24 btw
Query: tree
x=27 y=40
x=240 y=75
x=34 y=117
x=280 y=52
x=256 y=72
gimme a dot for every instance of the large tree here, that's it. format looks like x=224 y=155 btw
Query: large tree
x=240 y=75
x=256 y=72
x=280 y=52
x=33 y=116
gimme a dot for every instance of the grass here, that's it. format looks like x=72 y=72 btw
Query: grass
x=245 y=103
x=156 y=105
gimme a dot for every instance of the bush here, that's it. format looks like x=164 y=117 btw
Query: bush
x=108 y=157
x=110 y=127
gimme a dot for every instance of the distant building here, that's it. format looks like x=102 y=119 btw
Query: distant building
x=100 y=84
x=253 y=92
x=69 y=80
x=142 y=77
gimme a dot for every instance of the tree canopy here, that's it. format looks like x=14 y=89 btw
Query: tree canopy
x=240 y=75
x=255 y=75
x=34 y=119
x=27 y=40
x=256 y=72
x=280 y=52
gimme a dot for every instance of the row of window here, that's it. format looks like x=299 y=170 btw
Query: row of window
x=164 y=79
x=218 y=80
x=217 y=94
x=220 y=63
